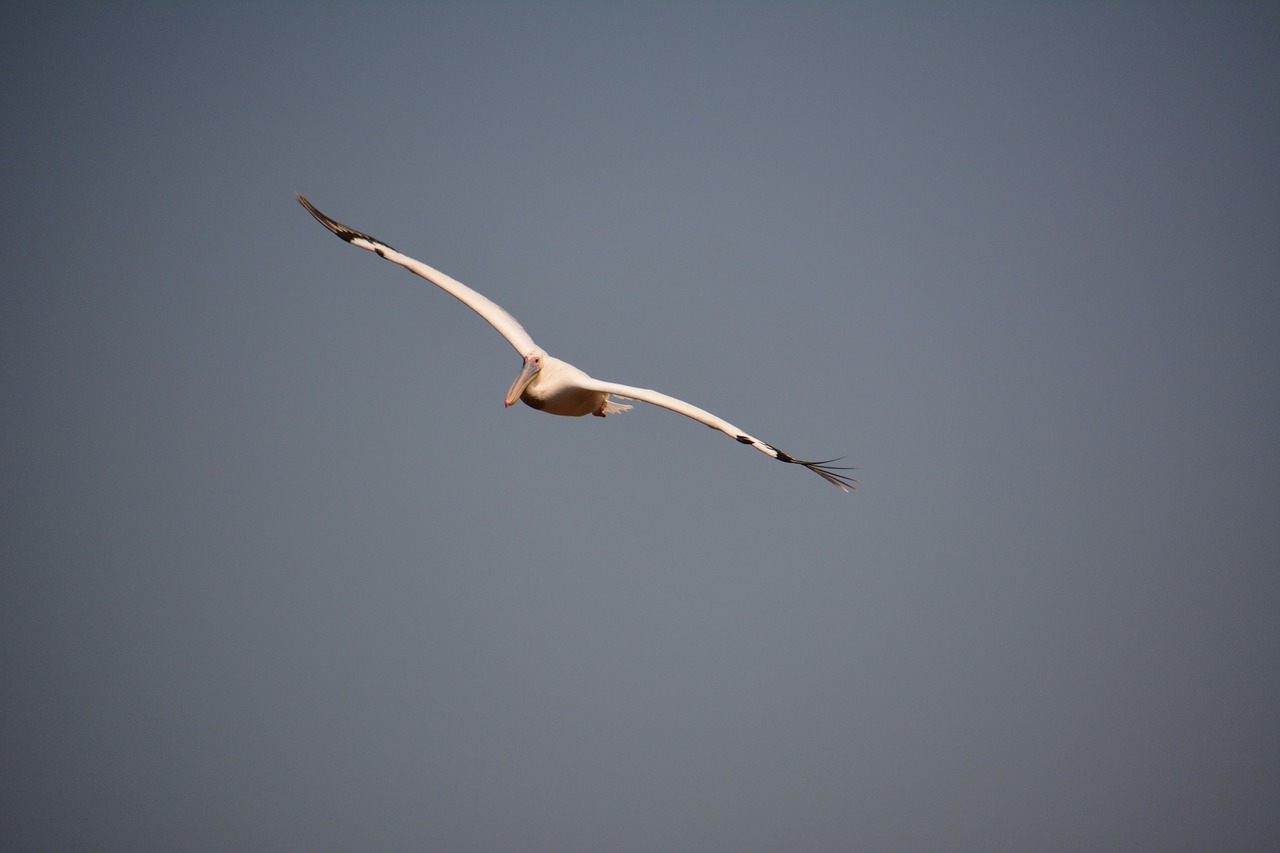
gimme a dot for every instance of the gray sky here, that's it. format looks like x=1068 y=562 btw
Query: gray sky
x=280 y=573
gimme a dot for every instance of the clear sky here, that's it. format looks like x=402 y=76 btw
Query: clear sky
x=280 y=573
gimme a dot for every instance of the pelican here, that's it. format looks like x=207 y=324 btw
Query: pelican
x=556 y=387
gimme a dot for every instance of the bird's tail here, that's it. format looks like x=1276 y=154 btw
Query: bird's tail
x=612 y=408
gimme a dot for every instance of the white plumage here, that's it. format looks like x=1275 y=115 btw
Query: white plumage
x=550 y=385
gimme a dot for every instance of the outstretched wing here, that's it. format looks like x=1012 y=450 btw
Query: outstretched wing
x=491 y=311
x=825 y=470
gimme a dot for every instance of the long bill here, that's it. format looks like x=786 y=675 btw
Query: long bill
x=527 y=374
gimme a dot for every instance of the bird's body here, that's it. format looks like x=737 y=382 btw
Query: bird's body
x=556 y=387
x=562 y=389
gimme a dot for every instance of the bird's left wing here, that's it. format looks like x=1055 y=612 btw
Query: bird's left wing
x=825 y=470
x=491 y=311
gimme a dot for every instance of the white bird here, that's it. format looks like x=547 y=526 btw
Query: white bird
x=550 y=385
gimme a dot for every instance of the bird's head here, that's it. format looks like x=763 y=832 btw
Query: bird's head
x=528 y=373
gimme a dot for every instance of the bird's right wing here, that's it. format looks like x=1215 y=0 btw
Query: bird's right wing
x=491 y=311
x=831 y=473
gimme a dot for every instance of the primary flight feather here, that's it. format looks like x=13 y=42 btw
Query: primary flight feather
x=550 y=385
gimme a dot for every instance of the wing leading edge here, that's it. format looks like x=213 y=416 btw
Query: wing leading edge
x=824 y=469
x=492 y=312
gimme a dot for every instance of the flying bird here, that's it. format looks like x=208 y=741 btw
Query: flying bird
x=556 y=387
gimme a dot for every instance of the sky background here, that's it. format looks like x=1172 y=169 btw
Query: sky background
x=280 y=573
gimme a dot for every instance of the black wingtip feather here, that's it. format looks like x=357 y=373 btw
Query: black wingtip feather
x=828 y=472
x=823 y=468
x=336 y=227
